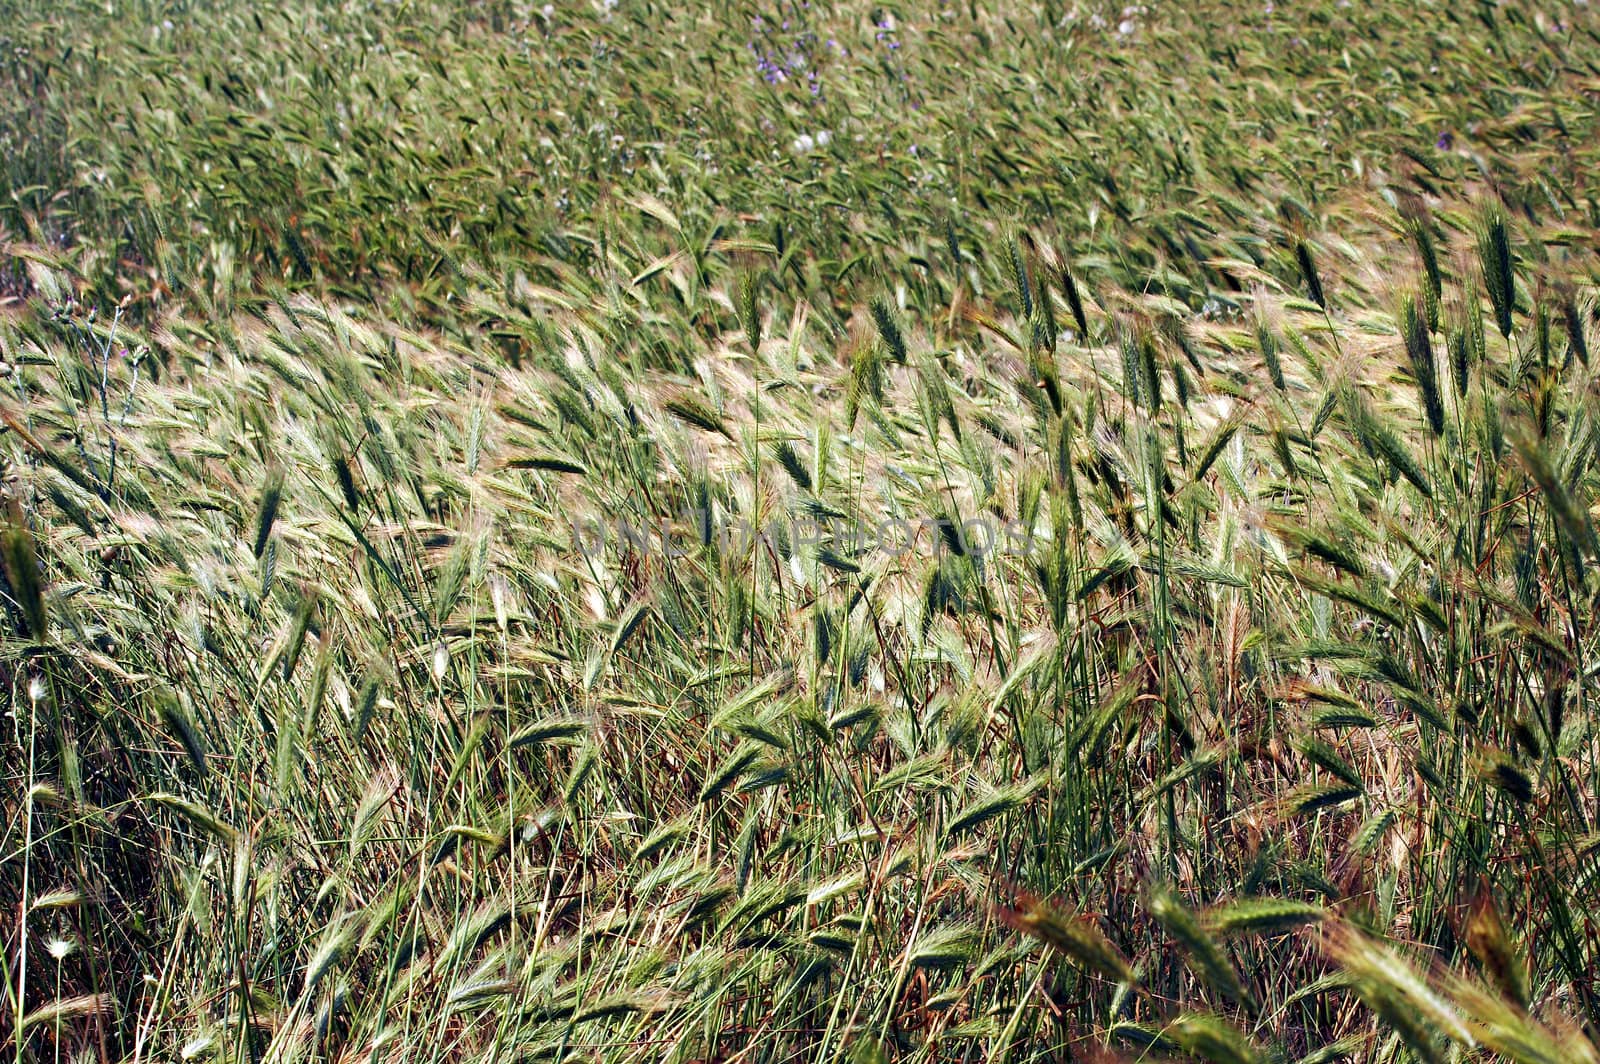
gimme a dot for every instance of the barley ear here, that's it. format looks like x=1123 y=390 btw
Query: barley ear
x=1069 y=288
x=749 y=314
x=20 y=555
x=1494 y=259
x=1074 y=936
x=1419 y=348
x=1209 y=960
x=1487 y=939
x=1308 y=273
x=894 y=342
x=267 y=510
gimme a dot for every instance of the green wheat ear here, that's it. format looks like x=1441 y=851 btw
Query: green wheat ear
x=894 y=342
x=1069 y=288
x=1466 y=347
x=1570 y=516
x=952 y=243
x=1419 y=348
x=789 y=459
x=182 y=726
x=1021 y=284
x=1421 y=231
x=267 y=510
x=1308 y=273
x=1074 y=936
x=21 y=558
x=865 y=380
x=1577 y=346
x=1392 y=988
x=1204 y=951
x=347 y=483
x=1267 y=344
x=749 y=313
x=1150 y=369
x=1210 y=1038
x=1487 y=939
x=689 y=407
x=1380 y=441
x=1494 y=260
x=1256 y=915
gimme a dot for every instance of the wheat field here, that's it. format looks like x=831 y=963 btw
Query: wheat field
x=770 y=532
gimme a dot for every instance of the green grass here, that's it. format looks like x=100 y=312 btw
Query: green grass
x=324 y=327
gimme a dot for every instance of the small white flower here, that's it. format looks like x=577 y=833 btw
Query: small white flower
x=60 y=948
x=36 y=689
x=824 y=138
x=804 y=144
x=1126 y=27
x=548 y=11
